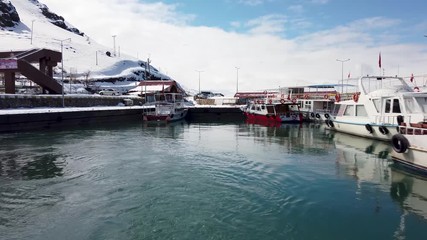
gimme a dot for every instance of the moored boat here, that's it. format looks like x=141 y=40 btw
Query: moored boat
x=378 y=107
x=410 y=146
x=165 y=107
x=271 y=109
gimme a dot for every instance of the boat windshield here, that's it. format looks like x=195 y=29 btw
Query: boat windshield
x=371 y=84
x=416 y=104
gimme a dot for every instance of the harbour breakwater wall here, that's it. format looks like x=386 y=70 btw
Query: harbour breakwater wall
x=8 y=101
x=51 y=119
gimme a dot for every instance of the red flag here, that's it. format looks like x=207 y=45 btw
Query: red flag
x=379 y=60
x=412 y=77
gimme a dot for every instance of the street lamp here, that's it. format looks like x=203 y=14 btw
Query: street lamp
x=237 y=84
x=114 y=44
x=199 y=78
x=32 y=27
x=342 y=72
x=62 y=67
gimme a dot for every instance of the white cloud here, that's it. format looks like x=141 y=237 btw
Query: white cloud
x=296 y=8
x=269 y=24
x=320 y=1
x=252 y=2
x=266 y=60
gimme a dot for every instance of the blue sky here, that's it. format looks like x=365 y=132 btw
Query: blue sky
x=273 y=42
x=294 y=18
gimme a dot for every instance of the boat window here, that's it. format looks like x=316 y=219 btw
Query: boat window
x=263 y=107
x=349 y=110
x=387 y=105
x=253 y=107
x=258 y=108
x=416 y=107
x=282 y=108
x=361 y=111
x=270 y=109
x=396 y=106
x=338 y=110
x=377 y=104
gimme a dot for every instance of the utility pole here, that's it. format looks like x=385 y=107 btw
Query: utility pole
x=237 y=84
x=199 y=78
x=32 y=29
x=62 y=67
x=114 y=44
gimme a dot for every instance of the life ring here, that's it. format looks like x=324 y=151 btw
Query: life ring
x=326 y=97
x=312 y=114
x=355 y=97
x=270 y=101
x=400 y=143
x=416 y=89
x=317 y=115
x=383 y=130
x=306 y=96
x=258 y=101
x=282 y=101
x=337 y=97
x=369 y=128
x=326 y=115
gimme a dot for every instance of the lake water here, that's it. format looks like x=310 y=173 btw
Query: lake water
x=205 y=181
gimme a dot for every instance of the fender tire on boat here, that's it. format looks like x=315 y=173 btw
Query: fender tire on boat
x=369 y=128
x=317 y=115
x=312 y=114
x=326 y=115
x=400 y=143
x=383 y=130
x=331 y=124
x=327 y=123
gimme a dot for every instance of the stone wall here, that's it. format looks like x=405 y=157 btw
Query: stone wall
x=33 y=101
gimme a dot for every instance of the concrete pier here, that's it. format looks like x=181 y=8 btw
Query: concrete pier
x=15 y=120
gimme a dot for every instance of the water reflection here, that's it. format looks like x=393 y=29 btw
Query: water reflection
x=366 y=160
x=30 y=160
x=297 y=138
x=409 y=191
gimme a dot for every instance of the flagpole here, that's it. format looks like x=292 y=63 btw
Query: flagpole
x=342 y=73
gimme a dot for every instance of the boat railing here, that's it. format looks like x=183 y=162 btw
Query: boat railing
x=386 y=119
x=392 y=120
x=413 y=128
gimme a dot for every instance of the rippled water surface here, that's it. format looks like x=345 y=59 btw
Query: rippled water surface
x=205 y=181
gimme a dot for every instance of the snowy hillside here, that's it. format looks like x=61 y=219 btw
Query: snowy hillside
x=27 y=24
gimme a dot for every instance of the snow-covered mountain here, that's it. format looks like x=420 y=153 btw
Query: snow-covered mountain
x=27 y=24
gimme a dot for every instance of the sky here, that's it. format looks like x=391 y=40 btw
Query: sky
x=249 y=45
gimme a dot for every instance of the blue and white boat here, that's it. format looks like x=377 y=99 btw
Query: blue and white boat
x=378 y=107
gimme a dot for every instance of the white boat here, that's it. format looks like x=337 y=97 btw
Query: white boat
x=410 y=146
x=378 y=107
x=315 y=101
x=165 y=107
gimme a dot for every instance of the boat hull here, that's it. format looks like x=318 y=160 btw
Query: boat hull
x=169 y=117
x=415 y=157
x=252 y=117
x=361 y=129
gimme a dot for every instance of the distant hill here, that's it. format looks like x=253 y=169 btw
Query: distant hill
x=27 y=24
